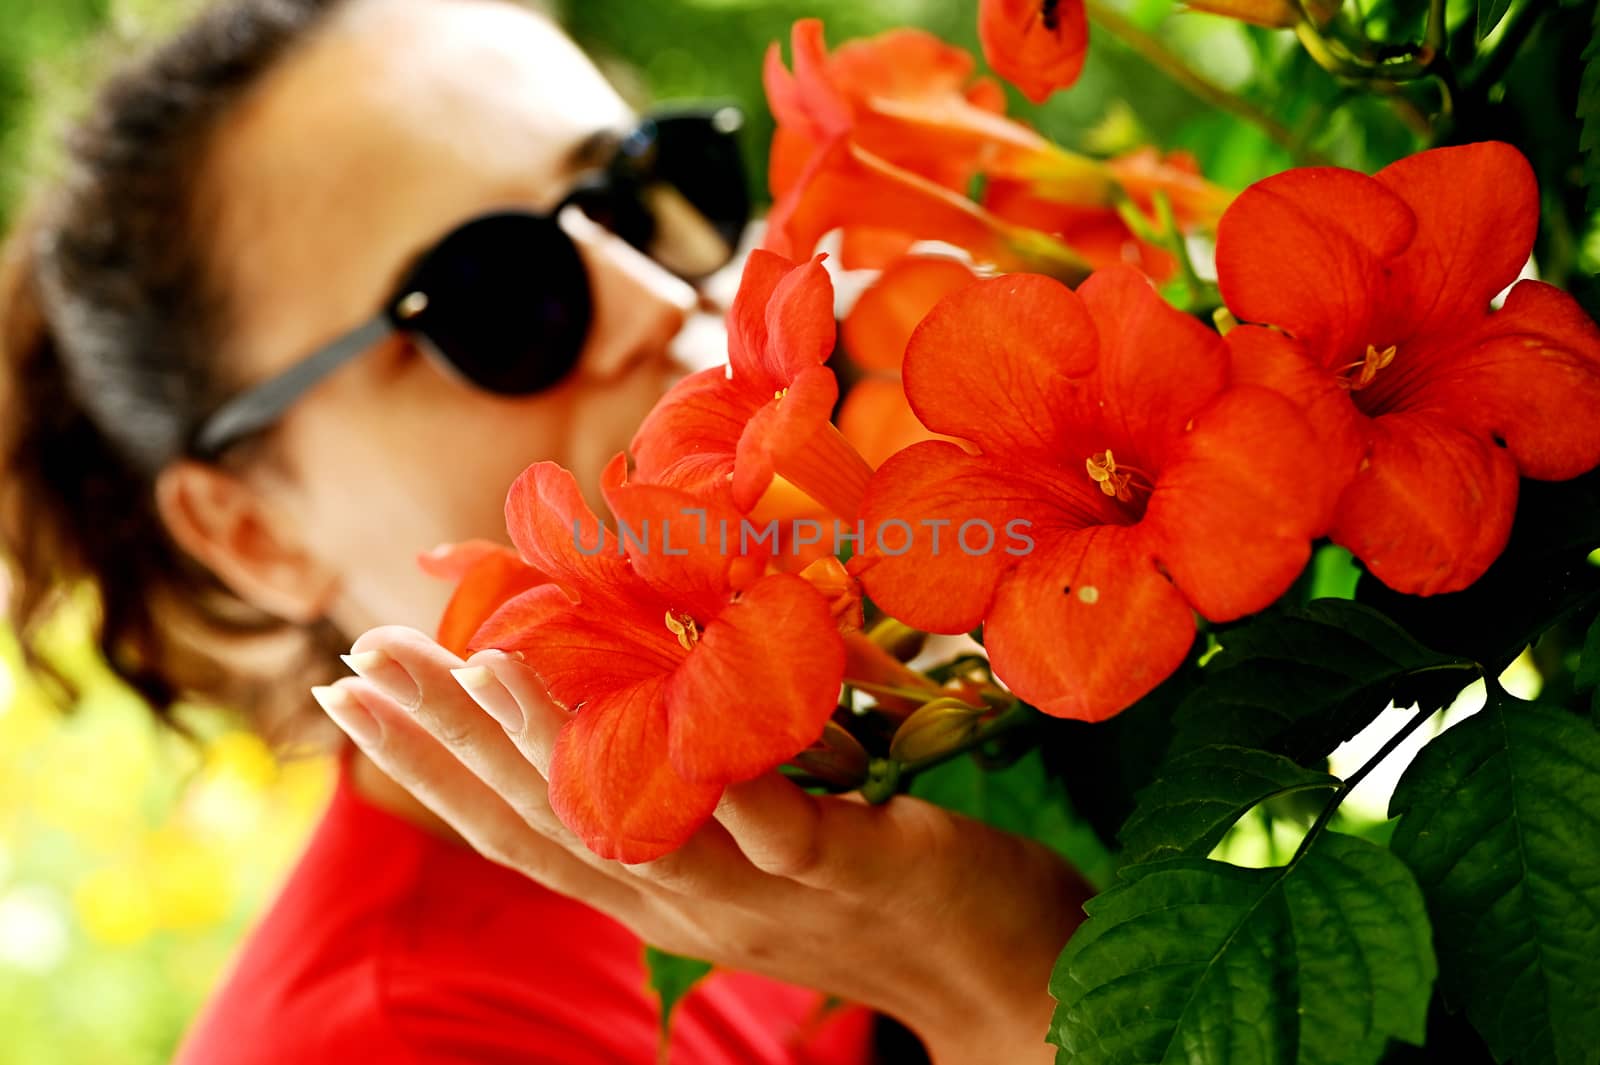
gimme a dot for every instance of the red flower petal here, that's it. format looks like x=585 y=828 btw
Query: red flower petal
x=990 y=363
x=1528 y=375
x=1272 y=360
x=671 y=539
x=1086 y=625
x=1431 y=507
x=556 y=532
x=1095 y=232
x=878 y=420
x=759 y=686
x=942 y=586
x=1477 y=210
x=488 y=575
x=1158 y=368
x=689 y=438
x=1144 y=172
x=779 y=427
x=748 y=335
x=838 y=589
x=1238 y=502
x=580 y=651
x=880 y=324
x=863 y=248
x=800 y=326
x=611 y=782
x=1037 y=45
x=1285 y=258
x=901 y=63
x=846 y=186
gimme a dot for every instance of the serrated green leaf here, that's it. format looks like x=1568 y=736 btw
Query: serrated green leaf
x=671 y=976
x=1543 y=575
x=1021 y=798
x=1197 y=796
x=1500 y=821
x=1302 y=682
x=1320 y=962
x=1490 y=12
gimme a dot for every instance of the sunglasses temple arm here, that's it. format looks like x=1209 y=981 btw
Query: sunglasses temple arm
x=264 y=404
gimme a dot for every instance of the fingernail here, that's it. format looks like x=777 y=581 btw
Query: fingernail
x=382 y=669
x=365 y=661
x=487 y=691
x=473 y=678
x=348 y=713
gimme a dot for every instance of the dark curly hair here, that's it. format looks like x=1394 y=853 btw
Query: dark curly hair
x=109 y=325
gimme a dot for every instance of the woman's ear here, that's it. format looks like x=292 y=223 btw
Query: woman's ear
x=230 y=528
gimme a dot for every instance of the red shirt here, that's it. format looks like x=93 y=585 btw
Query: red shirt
x=390 y=944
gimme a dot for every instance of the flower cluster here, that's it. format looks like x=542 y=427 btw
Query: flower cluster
x=1076 y=473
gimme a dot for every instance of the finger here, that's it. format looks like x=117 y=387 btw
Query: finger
x=411 y=757
x=414 y=672
x=520 y=701
x=831 y=843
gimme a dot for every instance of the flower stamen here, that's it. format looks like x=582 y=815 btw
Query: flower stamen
x=1366 y=371
x=1113 y=481
x=683 y=627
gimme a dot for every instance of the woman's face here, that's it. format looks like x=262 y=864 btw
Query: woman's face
x=400 y=120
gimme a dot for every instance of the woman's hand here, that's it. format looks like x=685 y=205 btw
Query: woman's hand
x=944 y=923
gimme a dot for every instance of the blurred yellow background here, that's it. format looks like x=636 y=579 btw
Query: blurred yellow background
x=131 y=859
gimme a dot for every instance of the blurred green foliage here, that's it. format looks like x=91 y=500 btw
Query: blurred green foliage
x=131 y=860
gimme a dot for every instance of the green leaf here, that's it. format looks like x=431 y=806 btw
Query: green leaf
x=1543 y=575
x=671 y=977
x=1589 y=115
x=1198 y=795
x=1020 y=798
x=1490 y=12
x=1589 y=668
x=1301 y=682
x=1500 y=821
x=1187 y=960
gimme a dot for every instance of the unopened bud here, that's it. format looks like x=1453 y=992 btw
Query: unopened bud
x=837 y=758
x=937 y=727
x=827 y=575
x=898 y=638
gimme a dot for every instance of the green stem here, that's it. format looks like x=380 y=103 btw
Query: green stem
x=1157 y=54
x=1385 y=68
x=1422 y=714
x=883 y=780
x=1197 y=289
x=886 y=777
x=919 y=694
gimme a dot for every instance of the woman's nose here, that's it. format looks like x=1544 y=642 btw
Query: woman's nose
x=638 y=306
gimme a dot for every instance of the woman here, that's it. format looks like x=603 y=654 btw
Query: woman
x=196 y=420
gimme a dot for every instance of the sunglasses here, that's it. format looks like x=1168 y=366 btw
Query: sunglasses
x=503 y=301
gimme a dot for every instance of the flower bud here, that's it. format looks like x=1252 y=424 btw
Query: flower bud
x=898 y=638
x=935 y=728
x=837 y=758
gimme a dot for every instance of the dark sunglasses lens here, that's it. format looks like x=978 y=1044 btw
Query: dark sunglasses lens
x=505 y=299
x=699 y=155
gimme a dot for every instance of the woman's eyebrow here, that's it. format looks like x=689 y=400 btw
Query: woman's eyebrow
x=596 y=149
